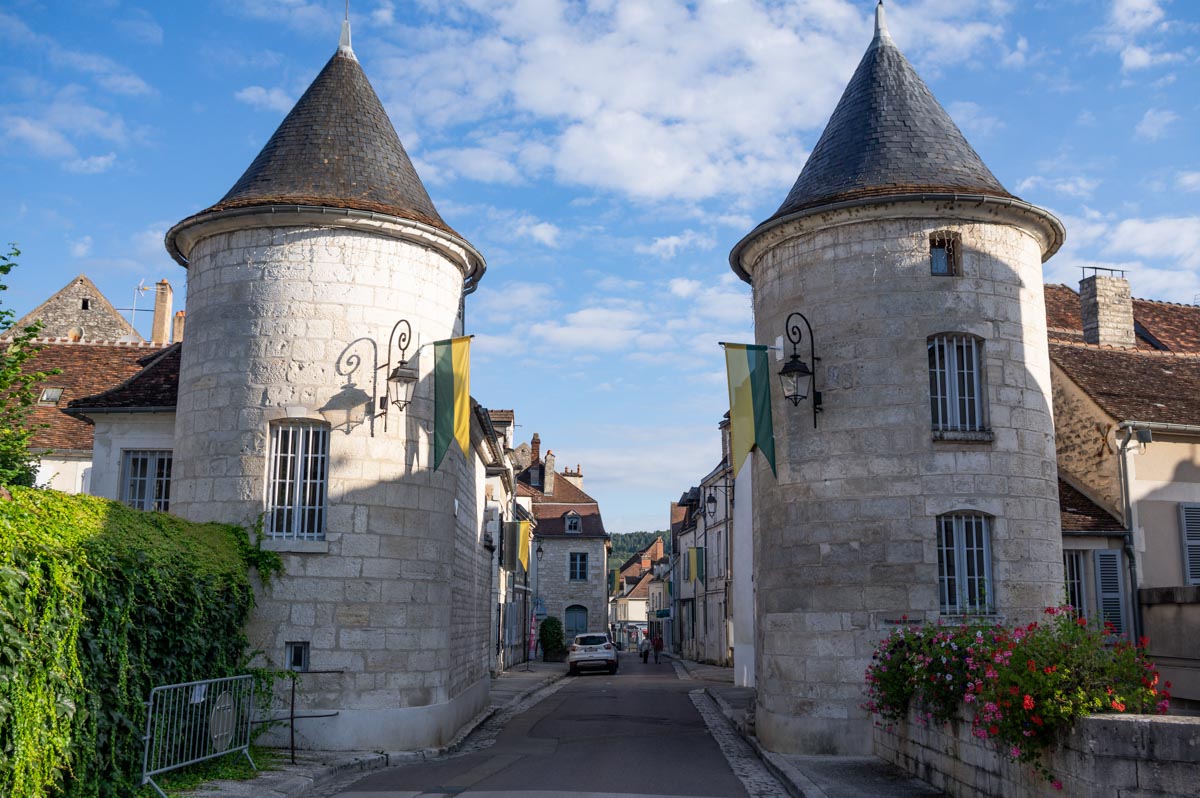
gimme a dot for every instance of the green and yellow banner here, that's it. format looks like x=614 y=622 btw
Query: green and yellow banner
x=523 y=546
x=452 y=397
x=749 y=403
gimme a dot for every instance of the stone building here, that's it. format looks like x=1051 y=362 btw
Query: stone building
x=1126 y=378
x=301 y=280
x=927 y=487
x=571 y=580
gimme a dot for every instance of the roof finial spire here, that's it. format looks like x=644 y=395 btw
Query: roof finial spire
x=881 y=31
x=344 y=41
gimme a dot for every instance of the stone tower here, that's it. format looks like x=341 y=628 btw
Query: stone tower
x=296 y=279
x=927 y=489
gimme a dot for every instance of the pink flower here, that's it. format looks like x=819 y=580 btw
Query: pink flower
x=1056 y=784
x=1014 y=752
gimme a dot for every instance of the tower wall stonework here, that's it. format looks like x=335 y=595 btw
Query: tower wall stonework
x=845 y=544
x=281 y=322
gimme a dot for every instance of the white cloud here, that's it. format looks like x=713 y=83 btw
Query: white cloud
x=384 y=14
x=302 y=15
x=1018 y=56
x=1135 y=15
x=544 y=233
x=39 y=136
x=1188 y=181
x=1075 y=186
x=1154 y=124
x=1168 y=238
x=81 y=247
x=275 y=99
x=973 y=119
x=141 y=27
x=595 y=329
x=92 y=165
x=514 y=302
x=683 y=287
x=668 y=247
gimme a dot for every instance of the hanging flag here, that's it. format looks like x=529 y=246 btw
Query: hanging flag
x=452 y=396
x=523 y=556
x=749 y=403
x=693 y=573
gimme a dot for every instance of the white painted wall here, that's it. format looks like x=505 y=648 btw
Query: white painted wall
x=115 y=433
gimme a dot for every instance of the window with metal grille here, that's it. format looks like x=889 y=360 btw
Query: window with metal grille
x=146 y=478
x=1189 y=522
x=956 y=383
x=578 y=566
x=1073 y=572
x=298 y=471
x=965 y=564
x=296 y=655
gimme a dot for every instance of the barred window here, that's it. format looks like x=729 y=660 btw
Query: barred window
x=956 y=383
x=146 y=479
x=1073 y=571
x=578 y=567
x=965 y=564
x=944 y=260
x=296 y=480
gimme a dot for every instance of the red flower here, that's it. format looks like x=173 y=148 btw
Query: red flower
x=1032 y=666
x=1028 y=701
x=1081 y=621
x=1118 y=706
x=1014 y=690
x=1037 y=720
x=993 y=730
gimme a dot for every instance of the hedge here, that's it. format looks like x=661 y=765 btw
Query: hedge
x=98 y=604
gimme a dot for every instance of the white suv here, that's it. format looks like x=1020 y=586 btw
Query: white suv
x=591 y=650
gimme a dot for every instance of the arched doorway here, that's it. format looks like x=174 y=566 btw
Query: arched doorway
x=576 y=621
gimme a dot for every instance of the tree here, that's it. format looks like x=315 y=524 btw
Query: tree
x=18 y=465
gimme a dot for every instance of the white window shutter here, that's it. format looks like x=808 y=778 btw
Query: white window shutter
x=1110 y=584
x=1189 y=520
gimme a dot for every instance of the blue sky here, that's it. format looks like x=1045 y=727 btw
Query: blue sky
x=604 y=157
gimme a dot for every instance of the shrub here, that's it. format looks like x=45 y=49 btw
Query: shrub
x=551 y=635
x=98 y=604
x=1026 y=686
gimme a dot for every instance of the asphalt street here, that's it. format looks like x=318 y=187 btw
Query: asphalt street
x=641 y=732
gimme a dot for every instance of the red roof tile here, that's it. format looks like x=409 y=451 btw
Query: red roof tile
x=1081 y=514
x=1134 y=385
x=155 y=386
x=87 y=368
x=1159 y=325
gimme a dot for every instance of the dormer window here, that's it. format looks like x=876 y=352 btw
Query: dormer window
x=50 y=396
x=944 y=259
x=574 y=523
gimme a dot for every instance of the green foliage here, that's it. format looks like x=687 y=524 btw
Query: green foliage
x=18 y=394
x=627 y=544
x=233 y=767
x=98 y=604
x=1026 y=686
x=551 y=635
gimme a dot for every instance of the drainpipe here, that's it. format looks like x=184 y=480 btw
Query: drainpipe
x=1144 y=432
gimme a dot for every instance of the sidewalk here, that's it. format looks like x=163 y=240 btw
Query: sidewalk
x=316 y=768
x=804 y=776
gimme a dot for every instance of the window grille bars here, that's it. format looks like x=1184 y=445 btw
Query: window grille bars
x=146 y=479
x=296 y=484
x=955 y=383
x=965 y=564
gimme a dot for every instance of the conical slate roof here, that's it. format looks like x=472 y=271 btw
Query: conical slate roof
x=888 y=136
x=337 y=148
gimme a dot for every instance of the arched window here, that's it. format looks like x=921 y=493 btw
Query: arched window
x=576 y=622
x=964 y=546
x=297 y=473
x=956 y=383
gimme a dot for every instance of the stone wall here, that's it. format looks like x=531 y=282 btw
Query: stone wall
x=1145 y=756
x=1171 y=619
x=557 y=592
x=845 y=536
x=1085 y=440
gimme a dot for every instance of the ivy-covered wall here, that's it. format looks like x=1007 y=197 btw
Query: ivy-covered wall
x=98 y=604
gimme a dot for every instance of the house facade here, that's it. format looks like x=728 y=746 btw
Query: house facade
x=572 y=580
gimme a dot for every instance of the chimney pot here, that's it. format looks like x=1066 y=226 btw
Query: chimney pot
x=177 y=328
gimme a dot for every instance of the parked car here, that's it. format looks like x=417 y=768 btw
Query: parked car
x=591 y=650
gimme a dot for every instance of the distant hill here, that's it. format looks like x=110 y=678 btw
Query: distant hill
x=626 y=544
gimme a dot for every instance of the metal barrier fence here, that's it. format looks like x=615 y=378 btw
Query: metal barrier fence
x=194 y=721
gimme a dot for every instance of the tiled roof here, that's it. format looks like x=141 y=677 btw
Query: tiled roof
x=1172 y=326
x=888 y=136
x=1134 y=385
x=336 y=148
x=87 y=368
x=501 y=416
x=551 y=509
x=640 y=590
x=1081 y=514
x=155 y=386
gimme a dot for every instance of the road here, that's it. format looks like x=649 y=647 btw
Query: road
x=642 y=732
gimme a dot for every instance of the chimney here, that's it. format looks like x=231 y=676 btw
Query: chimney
x=535 y=450
x=177 y=328
x=574 y=477
x=1107 y=310
x=160 y=331
x=548 y=478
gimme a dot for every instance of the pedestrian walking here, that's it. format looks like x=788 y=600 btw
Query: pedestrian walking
x=644 y=647
x=658 y=646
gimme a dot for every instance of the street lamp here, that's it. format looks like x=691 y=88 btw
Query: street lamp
x=402 y=377
x=796 y=377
